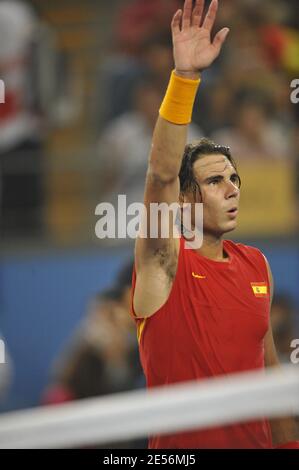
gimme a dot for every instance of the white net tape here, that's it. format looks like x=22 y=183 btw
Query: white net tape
x=117 y=417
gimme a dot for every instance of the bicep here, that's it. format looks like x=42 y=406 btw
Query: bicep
x=158 y=228
x=162 y=188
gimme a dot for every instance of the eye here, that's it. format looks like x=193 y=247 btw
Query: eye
x=214 y=181
x=236 y=180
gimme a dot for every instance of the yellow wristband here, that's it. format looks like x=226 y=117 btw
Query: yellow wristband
x=177 y=105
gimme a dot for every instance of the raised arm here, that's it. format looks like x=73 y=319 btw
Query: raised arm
x=193 y=51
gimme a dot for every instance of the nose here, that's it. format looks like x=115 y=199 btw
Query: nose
x=231 y=190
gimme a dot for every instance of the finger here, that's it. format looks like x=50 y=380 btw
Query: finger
x=211 y=16
x=220 y=38
x=197 y=12
x=187 y=13
x=176 y=22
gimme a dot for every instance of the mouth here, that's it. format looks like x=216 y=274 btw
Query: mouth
x=233 y=212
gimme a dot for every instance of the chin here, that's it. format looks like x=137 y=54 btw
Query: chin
x=220 y=231
x=229 y=227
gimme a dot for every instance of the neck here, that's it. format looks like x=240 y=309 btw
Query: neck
x=212 y=248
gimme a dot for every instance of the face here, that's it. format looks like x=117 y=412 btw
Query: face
x=218 y=182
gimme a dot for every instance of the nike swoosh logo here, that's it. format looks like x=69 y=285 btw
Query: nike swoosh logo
x=198 y=276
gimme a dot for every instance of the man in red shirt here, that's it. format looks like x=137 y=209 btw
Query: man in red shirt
x=201 y=312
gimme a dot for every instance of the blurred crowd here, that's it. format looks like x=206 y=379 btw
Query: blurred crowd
x=34 y=73
x=244 y=99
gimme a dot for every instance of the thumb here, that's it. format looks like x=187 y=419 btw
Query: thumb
x=220 y=38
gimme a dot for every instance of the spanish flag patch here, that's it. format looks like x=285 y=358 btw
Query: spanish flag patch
x=260 y=289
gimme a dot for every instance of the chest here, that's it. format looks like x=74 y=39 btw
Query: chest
x=227 y=304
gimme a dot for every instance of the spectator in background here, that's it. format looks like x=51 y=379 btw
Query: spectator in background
x=213 y=108
x=254 y=135
x=102 y=357
x=125 y=144
x=283 y=325
x=139 y=19
x=20 y=125
x=121 y=74
x=247 y=63
x=141 y=45
x=278 y=31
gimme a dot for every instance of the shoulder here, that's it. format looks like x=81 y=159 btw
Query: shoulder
x=248 y=252
x=240 y=247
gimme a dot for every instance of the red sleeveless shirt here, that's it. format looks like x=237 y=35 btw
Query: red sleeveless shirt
x=212 y=324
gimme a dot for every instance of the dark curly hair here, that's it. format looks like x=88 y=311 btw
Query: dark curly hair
x=192 y=153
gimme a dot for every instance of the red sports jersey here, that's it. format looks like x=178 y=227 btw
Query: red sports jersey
x=212 y=324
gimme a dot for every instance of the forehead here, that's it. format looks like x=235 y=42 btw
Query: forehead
x=211 y=165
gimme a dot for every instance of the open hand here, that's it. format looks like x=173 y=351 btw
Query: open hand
x=193 y=48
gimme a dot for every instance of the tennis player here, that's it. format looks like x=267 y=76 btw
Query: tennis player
x=201 y=312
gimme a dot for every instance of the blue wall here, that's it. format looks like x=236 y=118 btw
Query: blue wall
x=43 y=297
